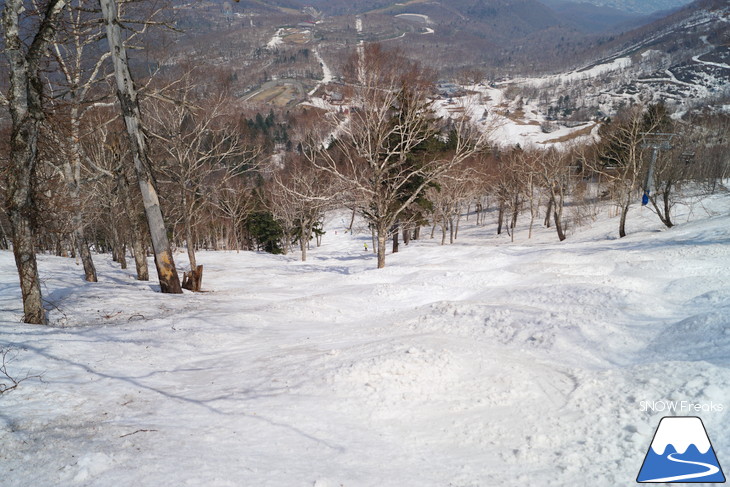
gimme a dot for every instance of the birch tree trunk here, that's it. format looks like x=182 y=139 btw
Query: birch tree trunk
x=72 y=175
x=71 y=51
x=138 y=246
x=26 y=111
x=381 y=236
x=188 y=224
x=303 y=248
x=190 y=244
x=169 y=280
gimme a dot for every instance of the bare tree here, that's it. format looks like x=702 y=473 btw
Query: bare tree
x=199 y=149
x=500 y=180
x=529 y=181
x=553 y=171
x=368 y=152
x=235 y=201
x=711 y=148
x=25 y=102
x=671 y=170
x=621 y=158
x=300 y=196
x=81 y=69
x=515 y=174
x=449 y=197
x=127 y=95
x=106 y=155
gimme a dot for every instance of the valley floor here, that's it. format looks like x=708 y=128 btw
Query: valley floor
x=483 y=363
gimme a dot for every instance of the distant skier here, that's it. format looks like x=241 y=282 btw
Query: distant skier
x=366 y=246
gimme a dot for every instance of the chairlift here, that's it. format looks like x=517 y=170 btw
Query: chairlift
x=656 y=141
x=688 y=157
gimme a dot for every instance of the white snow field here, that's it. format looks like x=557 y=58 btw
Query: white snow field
x=483 y=363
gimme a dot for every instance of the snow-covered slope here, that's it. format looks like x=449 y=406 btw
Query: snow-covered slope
x=634 y=6
x=682 y=61
x=483 y=363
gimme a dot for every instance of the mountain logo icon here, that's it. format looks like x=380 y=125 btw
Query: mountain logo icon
x=681 y=452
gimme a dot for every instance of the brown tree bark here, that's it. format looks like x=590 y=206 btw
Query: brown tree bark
x=558 y=219
x=396 y=228
x=193 y=280
x=500 y=216
x=26 y=111
x=622 y=220
x=664 y=212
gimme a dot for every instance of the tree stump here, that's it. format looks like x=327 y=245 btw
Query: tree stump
x=192 y=280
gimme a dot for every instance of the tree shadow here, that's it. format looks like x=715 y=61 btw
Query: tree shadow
x=259 y=390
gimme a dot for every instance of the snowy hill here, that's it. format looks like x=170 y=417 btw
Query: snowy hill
x=480 y=363
x=643 y=7
x=682 y=61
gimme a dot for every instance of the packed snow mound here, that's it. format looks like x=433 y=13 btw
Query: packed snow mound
x=397 y=375
x=704 y=336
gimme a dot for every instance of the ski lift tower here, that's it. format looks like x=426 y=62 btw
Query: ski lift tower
x=655 y=141
x=228 y=11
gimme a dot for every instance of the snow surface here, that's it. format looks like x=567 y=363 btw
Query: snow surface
x=579 y=75
x=326 y=73
x=487 y=108
x=483 y=363
x=276 y=40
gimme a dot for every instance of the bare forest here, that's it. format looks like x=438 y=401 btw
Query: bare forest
x=116 y=137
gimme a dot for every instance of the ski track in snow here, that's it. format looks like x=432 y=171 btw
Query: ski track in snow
x=275 y=40
x=710 y=63
x=326 y=73
x=480 y=363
